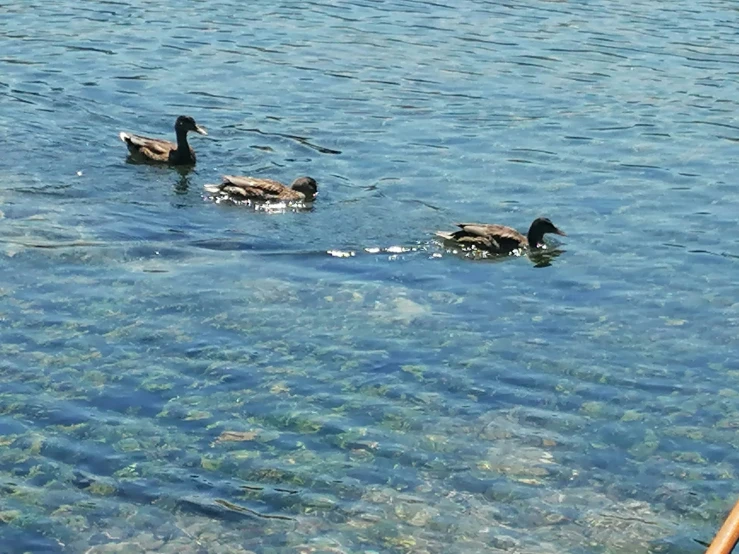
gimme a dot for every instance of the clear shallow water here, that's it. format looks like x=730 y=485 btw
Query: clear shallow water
x=179 y=376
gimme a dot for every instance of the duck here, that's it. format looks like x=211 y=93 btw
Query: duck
x=499 y=239
x=236 y=188
x=162 y=150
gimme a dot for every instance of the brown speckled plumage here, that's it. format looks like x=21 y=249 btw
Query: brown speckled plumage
x=303 y=189
x=499 y=239
x=165 y=151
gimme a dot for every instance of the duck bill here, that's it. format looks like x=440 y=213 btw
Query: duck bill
x=560 y=233
x=201 y=130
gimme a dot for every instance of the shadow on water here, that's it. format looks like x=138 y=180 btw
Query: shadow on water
x=544 y=258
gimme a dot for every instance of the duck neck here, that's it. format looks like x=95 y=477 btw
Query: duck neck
x=182 y=146
x=535 y=237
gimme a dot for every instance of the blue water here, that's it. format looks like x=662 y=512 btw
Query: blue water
x=181 y=376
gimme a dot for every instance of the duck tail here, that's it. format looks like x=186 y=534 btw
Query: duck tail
x=444 y=235
x=125 y=137
x=212 y=188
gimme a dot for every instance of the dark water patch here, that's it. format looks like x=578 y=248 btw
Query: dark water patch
x=27 y=540
x=639 y=166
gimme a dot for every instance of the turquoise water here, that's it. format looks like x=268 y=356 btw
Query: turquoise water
x=181 y=376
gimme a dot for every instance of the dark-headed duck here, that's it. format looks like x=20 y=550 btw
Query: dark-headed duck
x=165 y=151
x=499 y=239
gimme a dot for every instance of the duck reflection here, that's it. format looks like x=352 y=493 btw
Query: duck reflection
x=182 y=186
x=545 y=257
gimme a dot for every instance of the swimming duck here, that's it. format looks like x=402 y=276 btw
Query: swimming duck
x=303 y=189
x=499 y=239
x=165 y=151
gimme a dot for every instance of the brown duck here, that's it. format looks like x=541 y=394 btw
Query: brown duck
x=303 y=189
x=499 y=239
x=165 y=151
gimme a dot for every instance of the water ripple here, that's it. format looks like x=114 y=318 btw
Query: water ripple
x=180 y=373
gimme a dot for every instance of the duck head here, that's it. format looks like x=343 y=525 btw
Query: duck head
x=540 y=227
x=185 y=123
x=307 y=186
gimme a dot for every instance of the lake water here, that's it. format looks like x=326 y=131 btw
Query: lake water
x=182 y=376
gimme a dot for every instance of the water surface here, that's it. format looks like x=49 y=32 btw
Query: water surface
x=180 y=376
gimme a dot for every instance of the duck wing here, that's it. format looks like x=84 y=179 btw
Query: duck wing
x=470 y=241
x=475 y=237
x=152 y=148
x=267 y=186
x=507 y=238
x=257 y=189
x=491 y=230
